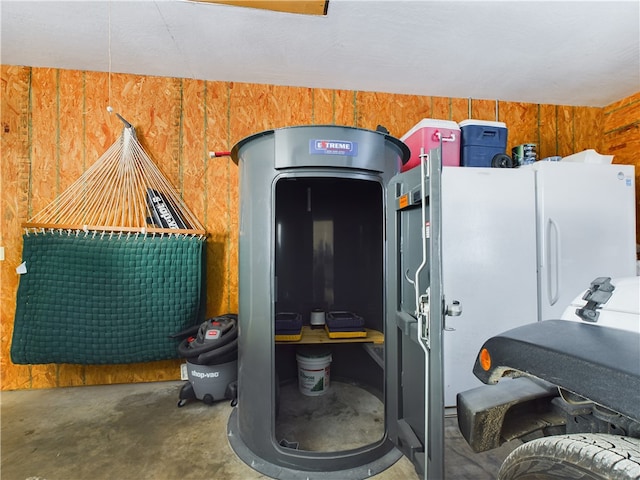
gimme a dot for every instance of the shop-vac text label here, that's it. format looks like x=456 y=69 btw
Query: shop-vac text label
x=195 y=373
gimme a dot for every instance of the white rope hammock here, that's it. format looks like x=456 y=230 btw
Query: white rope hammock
x=122 y=191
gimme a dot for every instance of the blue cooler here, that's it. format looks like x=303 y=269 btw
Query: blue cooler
x=481 y=140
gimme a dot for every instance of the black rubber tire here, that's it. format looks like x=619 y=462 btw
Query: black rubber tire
x=583 y=456
x=500 y=160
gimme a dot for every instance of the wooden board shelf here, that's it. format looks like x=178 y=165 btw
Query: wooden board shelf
x=319 y=335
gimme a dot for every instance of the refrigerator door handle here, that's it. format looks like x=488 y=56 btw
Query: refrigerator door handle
x=553 y=262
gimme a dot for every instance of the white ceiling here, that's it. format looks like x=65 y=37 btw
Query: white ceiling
x=557 y=52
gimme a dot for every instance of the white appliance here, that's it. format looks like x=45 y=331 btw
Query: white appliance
x=488 y=262
x=520 y=244
x=586 y=228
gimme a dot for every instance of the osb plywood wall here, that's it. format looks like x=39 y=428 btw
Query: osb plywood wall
x=55 y=124
x=621 y=138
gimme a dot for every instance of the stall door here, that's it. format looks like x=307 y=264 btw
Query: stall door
x=413 y=335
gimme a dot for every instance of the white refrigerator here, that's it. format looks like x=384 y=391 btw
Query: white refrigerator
x=586 y=229
x=520 y=244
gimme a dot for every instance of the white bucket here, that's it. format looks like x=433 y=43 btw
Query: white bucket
x=313 y=371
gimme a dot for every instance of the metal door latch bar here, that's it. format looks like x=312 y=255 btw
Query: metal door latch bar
x=598 y=294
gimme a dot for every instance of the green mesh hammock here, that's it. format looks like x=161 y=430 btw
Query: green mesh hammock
x=111 y=269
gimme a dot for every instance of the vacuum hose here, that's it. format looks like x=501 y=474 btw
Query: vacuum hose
x=216 y=341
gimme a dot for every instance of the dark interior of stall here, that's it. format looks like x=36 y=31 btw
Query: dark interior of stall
x=329 y=257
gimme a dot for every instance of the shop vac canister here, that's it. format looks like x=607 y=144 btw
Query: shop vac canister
x=211 y=350
x=211 y=382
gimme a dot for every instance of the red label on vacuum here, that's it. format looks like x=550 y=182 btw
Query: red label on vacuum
x=212 y=334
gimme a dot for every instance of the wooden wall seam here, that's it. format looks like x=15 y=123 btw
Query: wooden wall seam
x=623 y=128
x=538 y=132
x=228 y=196
x=57 y=130
x=556 y=130
x=355 y=108
x=30 y=145
x=180 y=139
x=205 y=150
x=333 y=107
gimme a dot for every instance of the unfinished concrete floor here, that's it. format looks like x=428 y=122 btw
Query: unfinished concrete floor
x=136 y=431
x=343 y=418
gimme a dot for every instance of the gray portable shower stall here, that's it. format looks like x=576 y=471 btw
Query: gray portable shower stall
x=324 y=219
